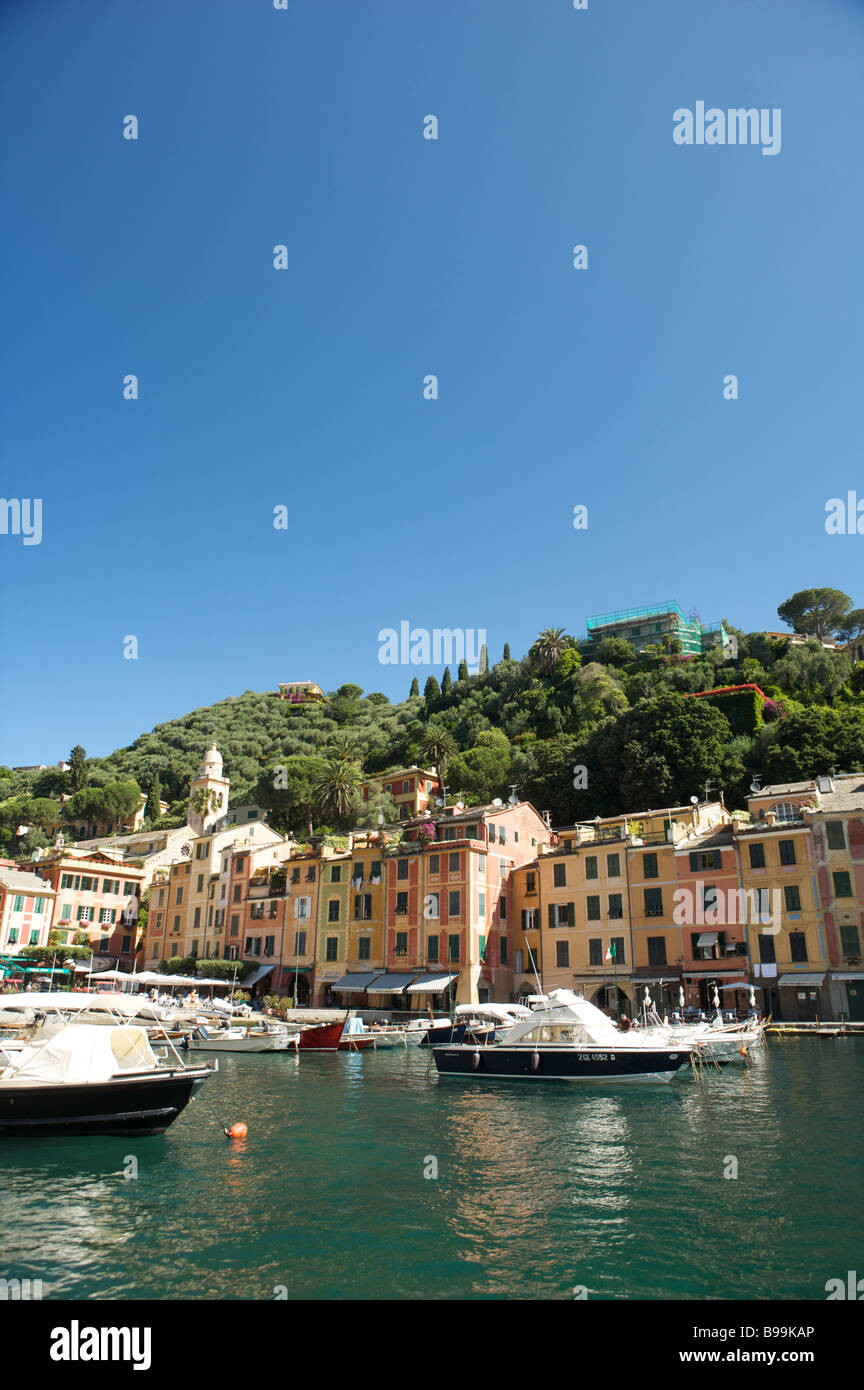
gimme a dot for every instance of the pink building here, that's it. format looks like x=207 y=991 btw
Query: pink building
x=26 y=910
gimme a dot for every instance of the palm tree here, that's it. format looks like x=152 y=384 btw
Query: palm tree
x=438 y=747
x=203 y=802
x=549 y=647
x=338 y=791
x=343 y=749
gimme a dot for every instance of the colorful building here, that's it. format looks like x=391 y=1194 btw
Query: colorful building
x=96 y=894
x=26 y=910
x=412 y=788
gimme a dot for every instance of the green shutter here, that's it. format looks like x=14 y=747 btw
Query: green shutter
x=571 y=914
x=551 y=914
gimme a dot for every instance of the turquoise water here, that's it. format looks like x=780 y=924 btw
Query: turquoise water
x=540 y=1189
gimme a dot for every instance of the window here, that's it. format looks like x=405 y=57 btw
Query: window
x=196 y=921
x=653 y=902
x=130 y=890
x=757 y=856
x=656 y=950
x=453 y=863
x=562 y=915
x=562 y=954
x=39 y=907
x=401 y=943
x=453 y=947
x=333 y=910
x=591 y=866
x=517 y=961
x=595 y=951
x=85 y=914
x=363 y=906
x=65 y=880
x=616 y=906
x=613 y=866
x=618 y=944
x=842 y=885
x=709 y=897
x=530 y=883
x=299 y=943
x=269 y=945
x=66 y=913
x=432 y=909
x=792 y=894
x=13 y=935
x=178 y=896
x=559 y=875
x=238 y=890
x=107 y=914
x=332 y=948
x=401 y=904
x=766 y=949
x=111 y=885
x=454 y=903
x=402 y=869
x=710 y=860
x=434 y=863
x=364 y=948
x=502 y=909
x=335 y=873
x=786 y=812
x=302 y=907
x=432 y=948
x=295 y=875
x=593 y=907
x=529 y=918
x=849 y=943
x=201 y=850
x=834 y=832
x=175 y=925
x=797 y=946
x=787 y=851
x=103 y=941
x=406 y=787
x=235 y=924
x=310 y=874
x=649 y=866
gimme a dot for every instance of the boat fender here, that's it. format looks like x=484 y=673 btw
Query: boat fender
x=535 y=1060
x=475 y=1060
x=237 y=1131
x=743 y=1050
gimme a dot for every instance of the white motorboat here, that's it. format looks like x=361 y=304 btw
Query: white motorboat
x=205 y=1039
x=24 y=1010
x=416 y=1030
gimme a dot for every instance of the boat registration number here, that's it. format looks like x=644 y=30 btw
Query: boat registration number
x=595 y=1056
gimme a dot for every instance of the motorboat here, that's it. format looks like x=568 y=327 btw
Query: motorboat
x=718 y=1041
x=483 y=1023
x=417 y=1028
x=206 y=1039
x=24 y=1010
x=564 y=1039
x=90 y=1079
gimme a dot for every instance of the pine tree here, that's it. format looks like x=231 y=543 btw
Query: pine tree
x=415 y=689
x=446 y=681
x=506 y=656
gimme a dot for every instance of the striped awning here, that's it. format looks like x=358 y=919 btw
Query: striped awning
x=356 y=983
x=430 y=984
x=793 y=980
x=392 y=984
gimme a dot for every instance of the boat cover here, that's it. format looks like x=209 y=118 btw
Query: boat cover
x=85 y=1053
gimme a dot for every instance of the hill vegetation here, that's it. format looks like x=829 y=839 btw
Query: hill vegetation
x=577 y=737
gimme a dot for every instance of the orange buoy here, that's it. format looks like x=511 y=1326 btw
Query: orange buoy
x=237 y=1130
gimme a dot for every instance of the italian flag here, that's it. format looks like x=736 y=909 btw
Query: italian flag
x=610 y=954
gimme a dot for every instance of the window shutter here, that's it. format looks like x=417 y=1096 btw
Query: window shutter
x=571 y=914
x=694 y=862
x=551 y=914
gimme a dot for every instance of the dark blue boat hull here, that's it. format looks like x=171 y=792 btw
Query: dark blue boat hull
x=557 y=1064
x=455 y=1033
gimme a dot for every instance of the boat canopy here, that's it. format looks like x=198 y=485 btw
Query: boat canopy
x=502 y=1013
x=84 y=1054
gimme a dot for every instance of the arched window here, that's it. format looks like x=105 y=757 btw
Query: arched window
x=786 y=811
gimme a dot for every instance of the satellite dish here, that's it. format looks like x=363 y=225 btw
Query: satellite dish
x=694 y=801
x=513 y=799
x=439 y=801
x=497 y=801
x=754 y=785
x=460 y=805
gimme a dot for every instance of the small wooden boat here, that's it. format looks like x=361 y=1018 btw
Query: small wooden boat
x=204 y=1039
x=335 y=1037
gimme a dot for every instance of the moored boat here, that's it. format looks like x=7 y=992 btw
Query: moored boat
x=344 y=1035
x=89 y=1079
x=204 y=1039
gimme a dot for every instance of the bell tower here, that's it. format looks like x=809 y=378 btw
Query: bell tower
x=208 y=794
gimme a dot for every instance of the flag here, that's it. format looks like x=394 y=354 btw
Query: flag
x=610 y=954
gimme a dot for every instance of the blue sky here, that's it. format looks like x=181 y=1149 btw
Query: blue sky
x=407 y=256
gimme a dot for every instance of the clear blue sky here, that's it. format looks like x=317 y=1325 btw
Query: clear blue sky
x=406 y=257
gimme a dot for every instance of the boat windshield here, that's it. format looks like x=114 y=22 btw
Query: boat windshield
x=555 y=1033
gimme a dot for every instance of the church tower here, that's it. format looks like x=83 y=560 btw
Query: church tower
x=208 y=794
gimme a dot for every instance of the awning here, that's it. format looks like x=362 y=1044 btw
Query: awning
x=710 y=974
x=431 y=984
x=793 y=980
x=740 y=984
x=255 y=976
x=357 y=982
x=392 y=984
x=847 y=975
x=708 y=938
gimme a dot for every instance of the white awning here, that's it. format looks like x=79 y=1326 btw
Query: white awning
x=708 y=938
x=793 y=980
x=430 y=984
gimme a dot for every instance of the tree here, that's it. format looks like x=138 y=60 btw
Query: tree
x=446 y=681
x=549 y=646
x=42 y=811
x=852 y=626
x=153 y=810
x=415 y=689
x=431 y=691
x=78 y=768
x=338 y=790
x=287 y=791
x=615 y=651
x=483 y=772
x=815 y=612
x=203 y=801
x=380 y=802
x=52 y=782
x=505 y=655
x=462 y=673
x=438 y=747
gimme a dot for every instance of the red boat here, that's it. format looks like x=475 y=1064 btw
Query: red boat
x=332 y=1037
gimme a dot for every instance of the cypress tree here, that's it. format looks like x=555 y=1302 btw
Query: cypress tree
x=463 y=671
x=153 y=810
x=432 y=690
x=446 y=681
x=506 y=656
x=415 y=689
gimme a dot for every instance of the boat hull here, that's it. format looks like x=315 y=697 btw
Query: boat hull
x=328 y=1037
x=128 y=1105
x=265 y=1044
x=454 y=1033
x=500 y=1062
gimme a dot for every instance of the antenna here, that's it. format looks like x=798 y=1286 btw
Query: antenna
x=513 y=798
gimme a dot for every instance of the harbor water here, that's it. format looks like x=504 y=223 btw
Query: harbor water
x=364 y=1177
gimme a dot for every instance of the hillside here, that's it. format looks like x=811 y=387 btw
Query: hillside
x=626 y=720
